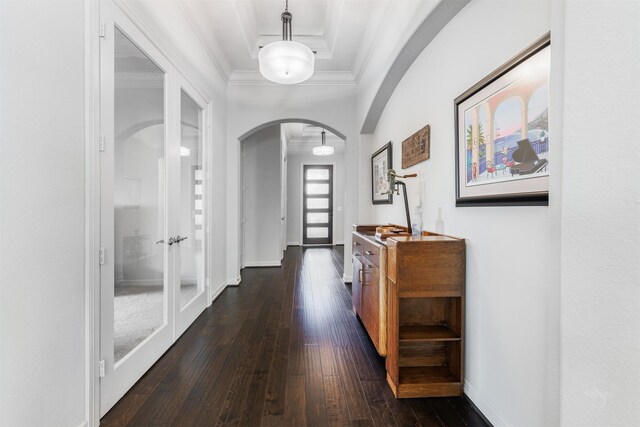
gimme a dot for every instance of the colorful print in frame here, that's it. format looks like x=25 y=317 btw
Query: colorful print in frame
x=502 y=134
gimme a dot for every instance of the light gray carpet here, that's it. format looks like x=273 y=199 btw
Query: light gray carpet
x=138 y=312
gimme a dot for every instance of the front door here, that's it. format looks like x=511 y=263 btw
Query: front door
x=317 y=205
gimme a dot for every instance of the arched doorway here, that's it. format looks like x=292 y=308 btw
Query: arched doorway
x=271 y=174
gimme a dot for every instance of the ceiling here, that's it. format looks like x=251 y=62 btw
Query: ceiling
x=342 y=32
x=303 y=137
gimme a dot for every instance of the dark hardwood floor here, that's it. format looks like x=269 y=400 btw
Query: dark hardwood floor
x=282 y=349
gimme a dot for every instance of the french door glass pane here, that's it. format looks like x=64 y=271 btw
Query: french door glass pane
x=317 y=232
x=317 y=188
x=317 y=217
x=191 y=206
x=139 y=196
x=313 y=203
x=317 y=173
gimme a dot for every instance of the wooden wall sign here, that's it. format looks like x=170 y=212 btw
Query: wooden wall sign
x=416 y=148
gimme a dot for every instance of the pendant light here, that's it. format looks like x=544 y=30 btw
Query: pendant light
x=323 y=150
x=286 y=61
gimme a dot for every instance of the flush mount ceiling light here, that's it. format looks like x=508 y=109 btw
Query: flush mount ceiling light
x=323 y=150
x=286 y=61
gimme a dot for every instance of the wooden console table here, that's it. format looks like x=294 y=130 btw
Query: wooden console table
x=409 y=294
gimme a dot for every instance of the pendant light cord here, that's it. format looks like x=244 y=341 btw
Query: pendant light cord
x=286 y=5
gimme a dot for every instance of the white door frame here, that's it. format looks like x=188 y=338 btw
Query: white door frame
x=121 y=375
x=92 y=118
x=187 y=314
x=92 y=212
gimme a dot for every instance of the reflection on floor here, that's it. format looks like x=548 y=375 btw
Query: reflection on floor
x=138 y=312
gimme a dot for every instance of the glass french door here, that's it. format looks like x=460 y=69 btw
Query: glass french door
x=152 y=276
x=190 y=215
x=317 y=205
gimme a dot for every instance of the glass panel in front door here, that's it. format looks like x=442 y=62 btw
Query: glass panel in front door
x=191 y=201
x=315 y=203
x=139 y=197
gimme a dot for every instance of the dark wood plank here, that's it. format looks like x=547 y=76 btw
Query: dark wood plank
x=283 y=348
x=337 y=413
x=294 y=413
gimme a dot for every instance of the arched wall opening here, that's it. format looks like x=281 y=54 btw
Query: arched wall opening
x=342 y=217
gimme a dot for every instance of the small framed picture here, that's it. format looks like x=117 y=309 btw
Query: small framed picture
x=502 y=134
x=381 y=162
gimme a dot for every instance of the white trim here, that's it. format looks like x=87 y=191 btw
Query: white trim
x=263 y=264
x=338 y=243
x=220 y=63
x=347 y=279
x=170 y=54
x=484 y=406
x=208 y=214
x=92 y=211
x=216 y=293
x=234 y=282
x=293 y=244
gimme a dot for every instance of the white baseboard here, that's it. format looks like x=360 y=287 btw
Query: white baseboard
x=346 y=279
x=216 y=292
x=484 y=406
x=263 y=264
x=234 y=282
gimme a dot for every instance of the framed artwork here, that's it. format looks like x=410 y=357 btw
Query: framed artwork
x=381 y=162
x=502 y=134
x=416 y=148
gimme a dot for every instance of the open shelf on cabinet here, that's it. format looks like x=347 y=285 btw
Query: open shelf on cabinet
x=425 y=333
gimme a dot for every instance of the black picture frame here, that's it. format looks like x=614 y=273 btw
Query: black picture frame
x=383 y=156
x=531 y=198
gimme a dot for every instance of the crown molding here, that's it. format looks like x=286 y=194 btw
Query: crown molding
x=191 y=10
x=248 y=25
x=164 y=44
x=374 y=31
x=254 y=78
x=333 y=13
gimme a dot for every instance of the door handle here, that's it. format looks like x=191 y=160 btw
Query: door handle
x=171 y=241
x=368 y=253
x=160 y=241
x=180 y=239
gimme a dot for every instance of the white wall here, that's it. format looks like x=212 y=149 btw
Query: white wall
x=261 y=181
x=600 y=302
x=508 y=273
x=294 y=194
x=252 y=106
x=42 y=177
